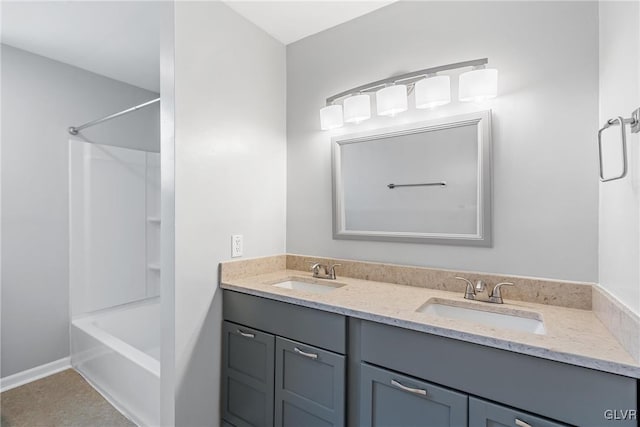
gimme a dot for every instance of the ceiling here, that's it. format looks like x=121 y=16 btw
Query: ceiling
x=290 y=21
x=120 y=39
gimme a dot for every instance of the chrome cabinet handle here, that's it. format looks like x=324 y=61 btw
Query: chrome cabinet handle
x=521 y=423
x=419 y=391
x=305 y=354
x=246 y=334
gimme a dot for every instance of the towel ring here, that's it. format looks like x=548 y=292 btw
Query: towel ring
x=612 y=122
x=634 y=122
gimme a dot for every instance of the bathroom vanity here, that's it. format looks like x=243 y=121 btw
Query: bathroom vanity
x=303 y=357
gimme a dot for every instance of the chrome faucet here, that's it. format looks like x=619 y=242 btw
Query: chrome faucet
x=329 y=270
x=480 y=292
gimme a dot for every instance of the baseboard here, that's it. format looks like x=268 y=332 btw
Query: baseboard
x=24 y=377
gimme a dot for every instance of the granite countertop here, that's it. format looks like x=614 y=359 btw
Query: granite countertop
x=573 y=336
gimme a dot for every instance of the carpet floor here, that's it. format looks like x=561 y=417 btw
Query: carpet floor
x=64 y=399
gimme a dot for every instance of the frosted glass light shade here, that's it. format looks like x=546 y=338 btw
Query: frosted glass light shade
x=357 y=108
x=391 y=100
x=331 y=117
x=478 y=85
x=433 y=91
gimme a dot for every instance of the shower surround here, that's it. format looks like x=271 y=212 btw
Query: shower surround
x=114 y=224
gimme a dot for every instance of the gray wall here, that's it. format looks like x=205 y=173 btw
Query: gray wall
x=545 y=210
x=230 y=166
x=40 y=99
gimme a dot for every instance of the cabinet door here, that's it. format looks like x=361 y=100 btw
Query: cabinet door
x=310 y=386
x=247 y=376
x=388 y=399
x=487 y=414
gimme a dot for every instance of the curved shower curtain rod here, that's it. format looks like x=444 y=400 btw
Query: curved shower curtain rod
x=73 y=130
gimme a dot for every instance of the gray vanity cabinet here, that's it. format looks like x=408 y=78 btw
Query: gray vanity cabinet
x=487 y=414
x=388 y=399
x=247 y=376
x=309 y=388
x=283 y=365
x=549 y=389
x=286 y=365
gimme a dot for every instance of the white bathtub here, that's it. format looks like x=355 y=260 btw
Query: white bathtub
x=118 y=351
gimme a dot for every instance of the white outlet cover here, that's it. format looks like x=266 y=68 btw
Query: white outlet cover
x=236 y=245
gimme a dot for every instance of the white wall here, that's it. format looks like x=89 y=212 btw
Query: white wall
x=41 y=98
x=620 y=200
x=544 y=123
x=167 y=215
x=230 y=153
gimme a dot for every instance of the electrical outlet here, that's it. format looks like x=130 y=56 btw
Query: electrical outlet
x=236 y=245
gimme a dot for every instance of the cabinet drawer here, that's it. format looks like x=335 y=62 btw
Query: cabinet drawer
x=568 y=393
x=314 y=327
x=247 y=376
x=309 y=386
x=389 y=399
x=487 y=414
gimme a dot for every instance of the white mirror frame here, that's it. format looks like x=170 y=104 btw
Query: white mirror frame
x=483 y=236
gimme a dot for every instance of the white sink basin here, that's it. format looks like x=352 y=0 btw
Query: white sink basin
x=314 y=287
x=514 y=320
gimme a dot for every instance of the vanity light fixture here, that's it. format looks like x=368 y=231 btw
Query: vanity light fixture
x=431 y=90
x=331 y=117
x=391 y=100
x=478 y=85
x=357 y=108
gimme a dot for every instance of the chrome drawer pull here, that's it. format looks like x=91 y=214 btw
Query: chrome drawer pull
x=419 y=391
x=305 y=354
x=245 y=334
x=521 y=423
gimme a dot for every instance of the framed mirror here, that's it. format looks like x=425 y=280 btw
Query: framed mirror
x=425 y=182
